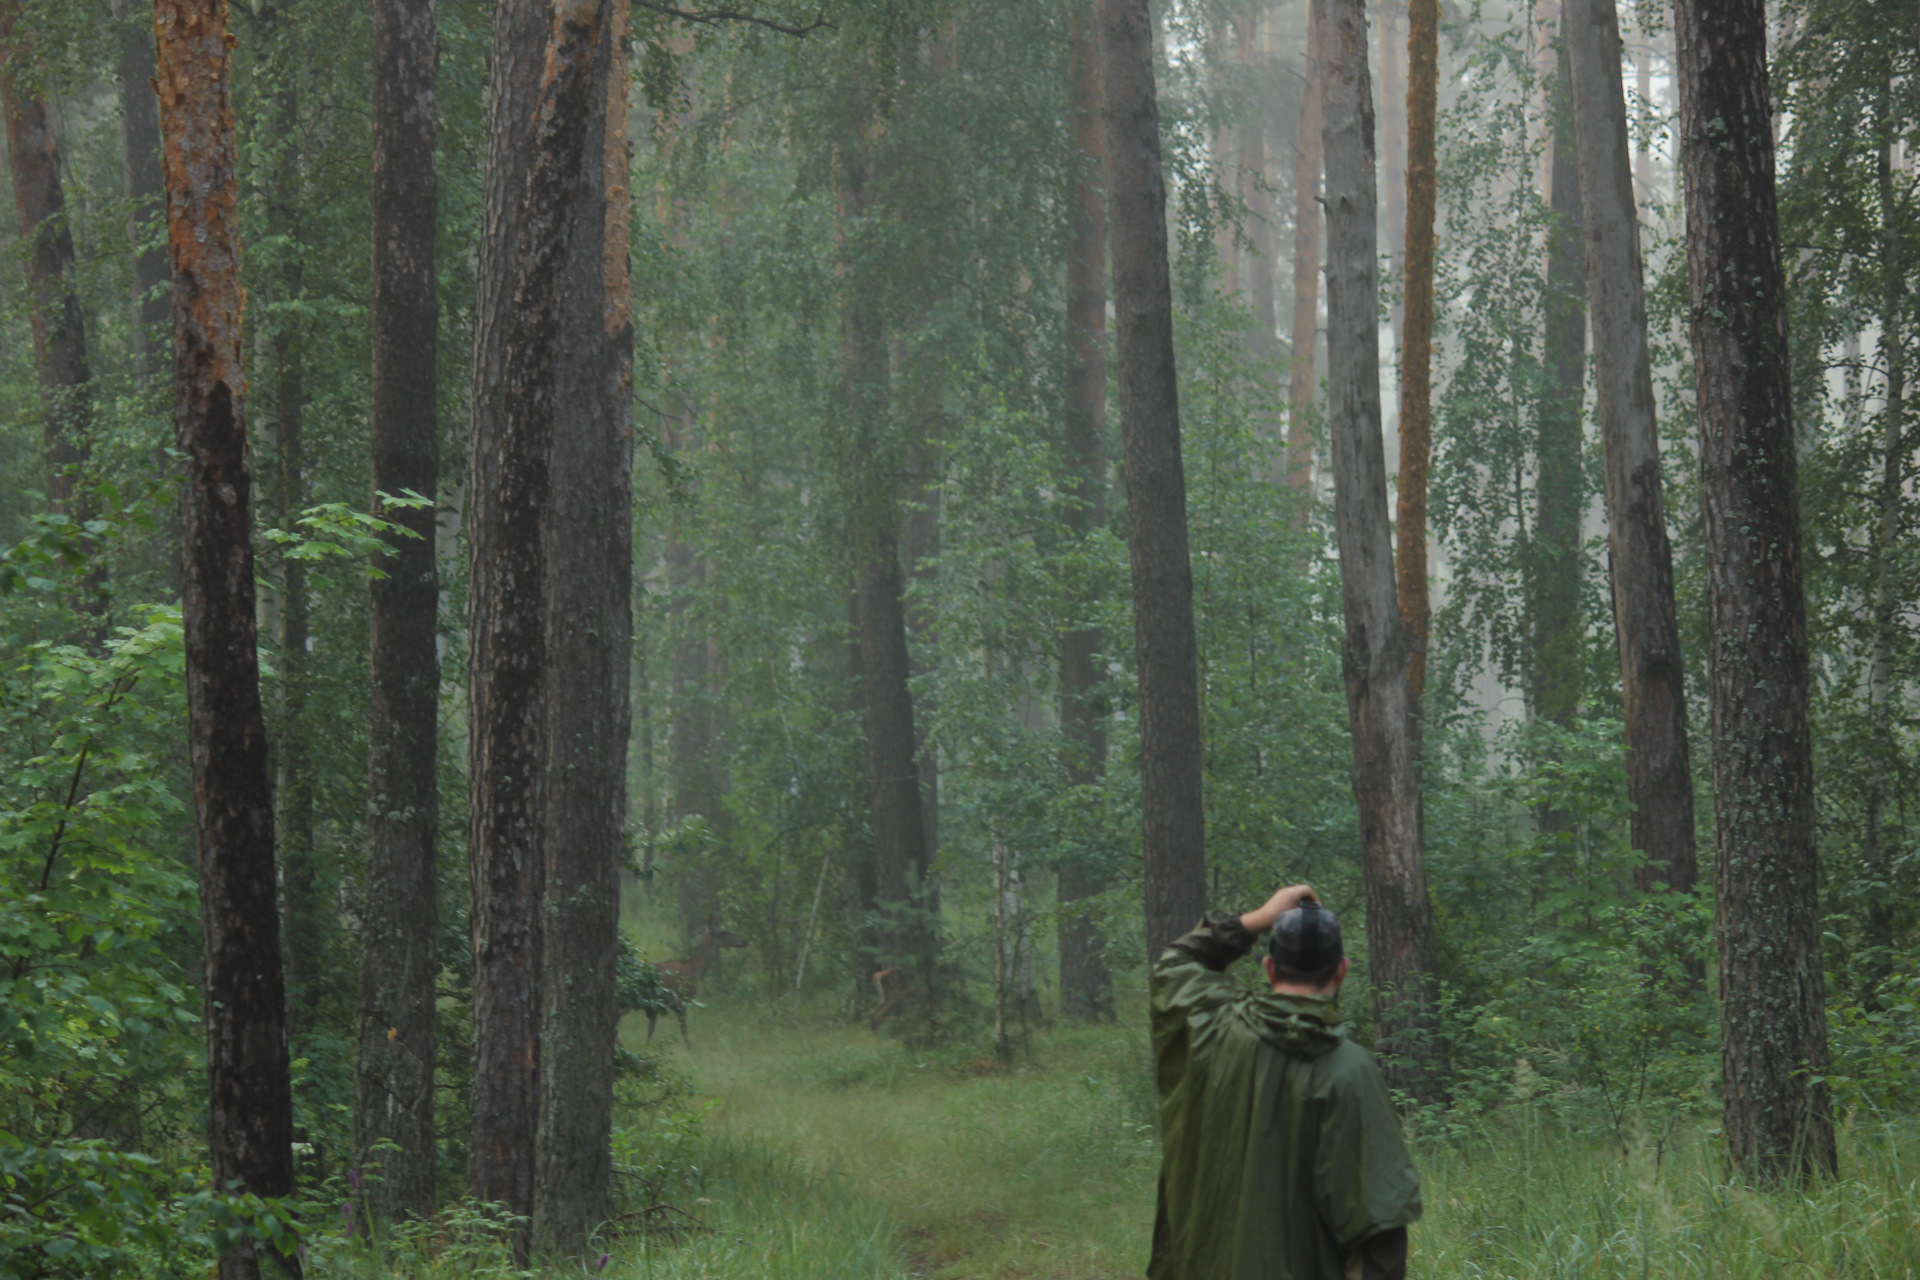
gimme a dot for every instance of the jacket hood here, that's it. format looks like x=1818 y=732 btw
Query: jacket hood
x=1304 y=1027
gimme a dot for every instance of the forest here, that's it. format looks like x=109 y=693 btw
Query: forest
x=627 y=625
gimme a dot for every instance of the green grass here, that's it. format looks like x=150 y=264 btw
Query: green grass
x=826 y=1153
x=1046 y=1170
x=1527 y=1201
x=942 y=1165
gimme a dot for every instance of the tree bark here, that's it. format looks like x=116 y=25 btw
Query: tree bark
x=1386 y=784
x=250 y=1101
x=1393 y=151
x=53 y=305
x=590 y=648
x=1086 y=988
x=1773 y=1054
x=1173 y=818
x=509 y=811
x=1553 y=606
x=141 y=179
x=393 y=1078
x=1652 y=677
x=896 y=812
x=1883 y=745
x=504 y=695
x=893 y=775
x=1416 y=341
x=1304 y=334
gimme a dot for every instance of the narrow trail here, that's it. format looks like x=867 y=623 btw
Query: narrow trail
x=1044 y=1170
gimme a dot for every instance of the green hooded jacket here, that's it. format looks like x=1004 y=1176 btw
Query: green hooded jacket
x=1280 y=1149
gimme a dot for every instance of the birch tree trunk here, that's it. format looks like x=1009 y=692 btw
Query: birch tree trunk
x=393 y=1072
x=1652 y=677
x=1170 y=799
x=590 y=649
x=1374 y=652
x=1884 y=745
x=1086 y=989
x=1773 y=1056
x=250 y=1099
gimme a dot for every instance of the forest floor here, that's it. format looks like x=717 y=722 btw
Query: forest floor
x=828 y=1153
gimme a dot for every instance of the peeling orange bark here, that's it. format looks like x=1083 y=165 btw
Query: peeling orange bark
x=250 y=1112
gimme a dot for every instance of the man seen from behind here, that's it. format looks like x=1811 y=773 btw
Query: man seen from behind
x=1281 y=1154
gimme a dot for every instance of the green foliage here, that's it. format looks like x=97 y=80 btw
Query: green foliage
x=99 y=1024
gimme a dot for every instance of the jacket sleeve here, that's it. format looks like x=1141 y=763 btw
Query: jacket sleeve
x=1188 y=984
x=1364 y=1181
x=1383 y=1257
x=1216 y=942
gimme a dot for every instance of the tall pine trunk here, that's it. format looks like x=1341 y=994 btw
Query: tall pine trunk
x=1416 y=340
x=893 y=774
x=1172 y=815
x=1086 y=988
x=503 y=759
x=53 y=305
x=1553 y=605
x=250 y=1100
x=393 y=1073
x=1652 y=678
x=141 y=179
x=895 y=803
x=1374 y=653
x=1304 y=332
x=590 y=651
x=1773 y=1054
x=509 y=810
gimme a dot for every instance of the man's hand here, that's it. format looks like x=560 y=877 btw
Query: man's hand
x=1261 y=918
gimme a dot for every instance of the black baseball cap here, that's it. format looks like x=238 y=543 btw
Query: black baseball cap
x=1306 y=939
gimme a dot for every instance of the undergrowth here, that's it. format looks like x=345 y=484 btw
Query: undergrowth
x=807 y=1149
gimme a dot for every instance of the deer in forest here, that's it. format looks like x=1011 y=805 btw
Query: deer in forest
x=680 y=979
x=894 y=986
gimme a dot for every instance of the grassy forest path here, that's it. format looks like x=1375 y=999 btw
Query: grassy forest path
x=1041 y=1170
x=829 y=1153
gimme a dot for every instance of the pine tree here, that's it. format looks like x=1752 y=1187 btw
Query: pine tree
x=1163 y=640
x=250 y=1099
x=1773 y=1055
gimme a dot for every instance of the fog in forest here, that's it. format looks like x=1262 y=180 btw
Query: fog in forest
x=631 y=631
